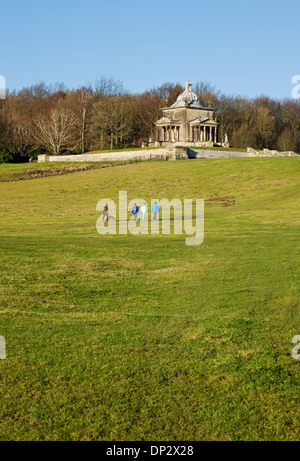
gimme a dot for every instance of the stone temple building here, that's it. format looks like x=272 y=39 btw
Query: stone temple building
x=187 y=122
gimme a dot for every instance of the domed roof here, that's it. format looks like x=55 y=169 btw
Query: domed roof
x=188 y=98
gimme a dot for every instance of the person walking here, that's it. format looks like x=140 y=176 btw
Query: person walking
x=135 y=211
x=105 y=213
x=144 y=210
x=155 y=210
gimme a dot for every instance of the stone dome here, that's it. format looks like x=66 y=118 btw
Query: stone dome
x=188 y=98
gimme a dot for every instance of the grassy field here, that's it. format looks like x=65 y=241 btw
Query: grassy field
x=226 y=149
x=234 y=149
x=144 y=338
x=129 y=149
x=24 y=171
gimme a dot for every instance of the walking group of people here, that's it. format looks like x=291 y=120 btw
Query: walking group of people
x=135 y=211
x=144 y=210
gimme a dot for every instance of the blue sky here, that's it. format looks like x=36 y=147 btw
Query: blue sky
x=242 y=47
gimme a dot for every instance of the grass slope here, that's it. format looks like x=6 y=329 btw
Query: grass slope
x=143 y=338
x=25 y=171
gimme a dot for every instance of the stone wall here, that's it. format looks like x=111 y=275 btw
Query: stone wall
x=275 y=153
x=108 y=157
x=175 y=153
x=207 y=153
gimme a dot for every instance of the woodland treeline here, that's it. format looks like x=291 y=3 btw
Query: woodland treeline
x=52 y=119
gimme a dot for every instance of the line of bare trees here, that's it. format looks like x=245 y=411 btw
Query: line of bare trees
x=53 y=119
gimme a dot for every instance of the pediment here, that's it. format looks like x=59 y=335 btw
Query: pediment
x=163 y=120
x=205 y=120
x=168 y=121
x=199 y=120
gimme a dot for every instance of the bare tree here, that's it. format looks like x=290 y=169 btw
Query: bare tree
x=286 y=141
x=227 y=115
x=80 y=102
x=264 y=125
x=108 y=86
x=112 y=120
x=147 y=107
x=207 y=93
x=19 y=136
x=55 y=132
x=243 y=137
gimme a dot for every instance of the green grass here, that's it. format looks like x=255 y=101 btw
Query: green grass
x=122 y=150
x=33 y=170
x=20 y=171
x=234 y=149
x=143 y=338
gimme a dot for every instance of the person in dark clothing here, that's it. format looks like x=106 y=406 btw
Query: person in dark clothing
x=135 y=211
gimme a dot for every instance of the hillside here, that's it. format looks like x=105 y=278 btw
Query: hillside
x=143 y=338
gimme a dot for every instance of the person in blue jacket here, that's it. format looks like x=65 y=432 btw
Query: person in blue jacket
x=135 y=211
x=155 y=210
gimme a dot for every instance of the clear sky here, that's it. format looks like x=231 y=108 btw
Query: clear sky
x=246 y=47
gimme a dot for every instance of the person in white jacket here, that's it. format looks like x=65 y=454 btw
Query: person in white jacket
x=144 y=210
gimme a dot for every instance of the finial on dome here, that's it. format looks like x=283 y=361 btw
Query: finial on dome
x=188 y=85
x=188 y=98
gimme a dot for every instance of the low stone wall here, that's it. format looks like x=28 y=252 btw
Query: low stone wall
x=210 y=154
x=175 y=153
x=108 y=157
x=275 y=153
